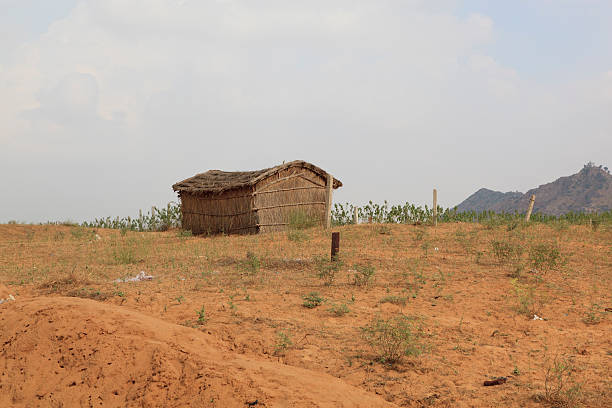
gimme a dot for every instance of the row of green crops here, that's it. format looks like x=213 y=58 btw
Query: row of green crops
x=159 y=219
x=343 y=214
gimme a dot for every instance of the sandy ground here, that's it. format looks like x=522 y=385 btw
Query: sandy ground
x=74 y=336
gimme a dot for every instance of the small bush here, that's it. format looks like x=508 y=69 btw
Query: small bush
x=339 y=310
x=526 y=302
x=393 y=338
x=251 y=264
x=327 y=269
x=396 y=300
x=363 y=275
x=593 y=315
x=545 y=257
x=312 y=300
x=283 y=342
x=184 y=233
x=506 y=251
x=559 y=387
x=202 y=319
x=297 y=236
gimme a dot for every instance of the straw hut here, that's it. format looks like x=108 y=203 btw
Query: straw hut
x=247 y=202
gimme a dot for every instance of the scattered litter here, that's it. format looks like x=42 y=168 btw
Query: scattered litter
x=97 y=237
x=142 y=276
x=436 y=248
x=9 y=298
x=536 y=317
x=497 y=381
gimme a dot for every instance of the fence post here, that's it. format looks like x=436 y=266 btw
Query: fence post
x=435 y=207
x=335 y=245
x=355 y=216
x=328 y=200
x=531 y=201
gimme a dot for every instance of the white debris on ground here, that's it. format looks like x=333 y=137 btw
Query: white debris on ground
x=142 y=276
x=536 y=317
x=97 y=237
x=8 y=299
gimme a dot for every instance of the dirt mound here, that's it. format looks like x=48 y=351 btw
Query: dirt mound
x=78 y=352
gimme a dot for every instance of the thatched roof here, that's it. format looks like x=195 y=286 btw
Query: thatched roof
x=216 y=181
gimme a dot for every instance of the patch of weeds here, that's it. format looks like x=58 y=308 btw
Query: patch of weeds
x=339 y=309
x=396 y=300
x=594 y=314
x=202 y=319
x=419 y=234
x=560 y=389
x=184 y=233
x=88 y=293
x=126 y=252
x=327 y=269
x=251 y=264
x=180 y=299
x=425 y=247
x=526 y=302
x=297 y=236
x=59 y=236
x=363 y=275
x=506 y=251
x=283 y=342
x=393 y=338
x=545 y=257
x=384 y=230
x=312 y=300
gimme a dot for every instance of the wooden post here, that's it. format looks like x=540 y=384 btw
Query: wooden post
x=355 y=216
x=328 y=200
x=530 y=209
x=435 y=207
x=335 y=245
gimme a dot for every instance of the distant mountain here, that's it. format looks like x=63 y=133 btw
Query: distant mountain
x=588 y=190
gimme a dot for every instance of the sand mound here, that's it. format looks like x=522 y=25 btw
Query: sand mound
x=77 y=352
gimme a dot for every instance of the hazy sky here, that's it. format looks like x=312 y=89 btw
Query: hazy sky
x=105 y=104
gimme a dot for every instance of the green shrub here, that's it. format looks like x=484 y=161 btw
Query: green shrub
x=312 y=300
x=339 y=310
x=251 y=264
x=327 y=269
x=201 y=316
x=396 y=300
x=545 y=257
x=559 y=387
x=283 y=342
x=363 y=275
x=393 y=338
x=297 y=236
x=526 y=302
x=506 y=251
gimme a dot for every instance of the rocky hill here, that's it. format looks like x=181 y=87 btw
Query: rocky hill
x=589 y=190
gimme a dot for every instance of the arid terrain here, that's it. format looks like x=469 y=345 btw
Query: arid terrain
x=224 y=321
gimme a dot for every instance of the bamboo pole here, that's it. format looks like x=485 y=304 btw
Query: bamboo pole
x=355 y=216
x=530 y=209
x=435 y=207
x=328 y=200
